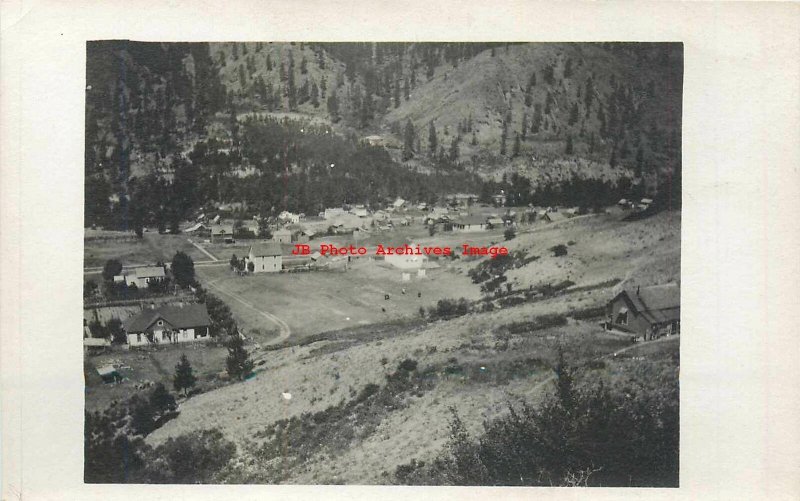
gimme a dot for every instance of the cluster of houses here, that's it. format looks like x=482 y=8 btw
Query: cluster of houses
x=644 y=312
x=641 y=205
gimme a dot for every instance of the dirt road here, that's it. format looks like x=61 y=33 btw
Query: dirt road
x=284 y=330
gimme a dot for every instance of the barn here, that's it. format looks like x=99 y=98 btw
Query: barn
x=647 y=312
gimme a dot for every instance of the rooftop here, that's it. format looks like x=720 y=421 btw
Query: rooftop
x=265 y=249
x=178 y=317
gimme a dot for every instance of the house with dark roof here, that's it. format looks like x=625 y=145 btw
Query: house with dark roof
x=142 y=276
x=223 y=232
x=647 y=312
x=179 y=323
x=470 y=223
x=266 y=257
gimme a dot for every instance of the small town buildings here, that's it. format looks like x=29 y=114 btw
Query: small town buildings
x=109 y=374
x=499 y=200
x=95 y=345
x=266 y=257
x=647 y=312
x=461 y=199
x=142 y=276
x=398 y=203
x=179 y=323
x=470 y=224
x=495 y=222
x=289 y=217
x=197 y=228
x=374 y=140
x=407 y=261
x=553 y=217
x=282 y=236
x=302 y=236
x=222 y=233
x=333 y=212
x=360 y=211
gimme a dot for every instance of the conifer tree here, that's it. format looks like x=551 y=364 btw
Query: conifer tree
x=408 y=141
x=333 y=107
x=396 y=94
x=432 y=141
x=238 y=362
x=569 y=150
x=314 y=95
x=573 y=114
x=184 y=378
x=516 y=146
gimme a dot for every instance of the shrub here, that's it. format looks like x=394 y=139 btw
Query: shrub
x=559 y=250
x=191 y=458
x=590 y=436
x=408 y=365
x=509 y=234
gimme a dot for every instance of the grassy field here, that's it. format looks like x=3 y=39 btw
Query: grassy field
x=98 y=247
x=313 y=302
x=156 y=365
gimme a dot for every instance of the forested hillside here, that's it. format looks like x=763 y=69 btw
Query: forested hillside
x=282 y=125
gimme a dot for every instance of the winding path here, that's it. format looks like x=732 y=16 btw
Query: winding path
x=284 y=330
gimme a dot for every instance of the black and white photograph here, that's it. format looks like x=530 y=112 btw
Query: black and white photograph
x=449 y=263
x=367 y=250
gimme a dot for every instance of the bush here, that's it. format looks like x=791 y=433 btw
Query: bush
x=559 y=250
x=589 y=436
x=408 y=365
x=509 y=234
x=449 y=308
x=191 y=458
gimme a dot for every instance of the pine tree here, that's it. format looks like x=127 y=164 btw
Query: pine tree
x=303 y=66
x=291 y=91
x=517 y=146
x=396 y=94
x=529 y=88
x=184 y=378
x=569 y=150
x=454 y=151
x=573 y=114
x=269 y=62
x=408 y=141
x=406 y=93
x=524 y=133
x=235 y=51
x=242 y=76
x=504 y=137
x=238 y=362
x=333 y=107
x=314 y=95
x=432 y=141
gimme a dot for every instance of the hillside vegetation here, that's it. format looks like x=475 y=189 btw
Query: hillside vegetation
x=458 y=114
